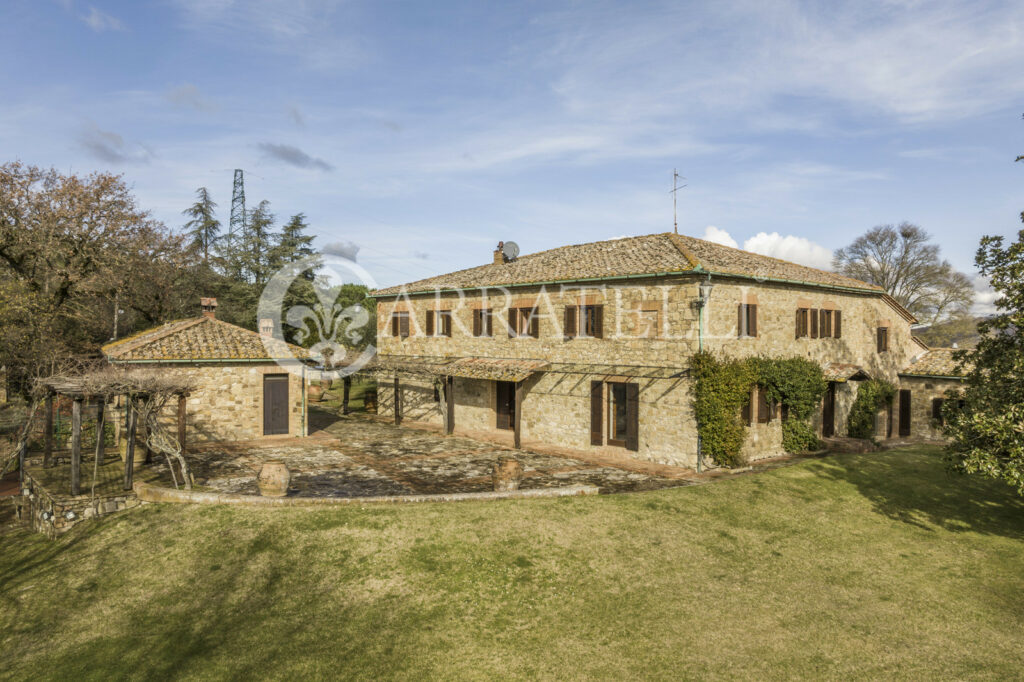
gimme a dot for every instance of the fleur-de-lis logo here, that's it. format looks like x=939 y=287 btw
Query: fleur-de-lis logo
x=326 y=326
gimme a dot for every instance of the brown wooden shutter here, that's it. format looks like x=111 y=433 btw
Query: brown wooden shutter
x=752 y=320
x=745 y=413
x=430 y=322
x=447 y=323
x=741 y=321
x=813 y=314
x=798 y=316
x=570 y=321
x=823 y=323
x=404 y=326
x=632 y=417
x=596 y=412
x=513 y=314
x=489 y=321
x=837 y=324
x=477 y=322
x=394 y=324
x=534 y=324
x=764 y=410
x=598 y=321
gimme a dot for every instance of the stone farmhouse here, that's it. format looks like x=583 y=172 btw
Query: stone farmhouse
x=588 y=346
x=242 y=387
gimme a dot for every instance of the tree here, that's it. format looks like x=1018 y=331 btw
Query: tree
x=259 y=242
x=203 y=228
x=901 y=260
x=987 y=427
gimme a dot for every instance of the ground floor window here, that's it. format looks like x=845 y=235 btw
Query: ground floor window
x=615 y=414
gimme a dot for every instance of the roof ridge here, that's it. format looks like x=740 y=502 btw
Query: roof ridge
x=687 y=254
x=147 y=336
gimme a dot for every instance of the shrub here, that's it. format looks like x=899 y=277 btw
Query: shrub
x=799 y=436
x=872 y=395
x=720 y=389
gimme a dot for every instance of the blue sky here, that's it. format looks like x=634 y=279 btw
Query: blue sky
x=425 y=132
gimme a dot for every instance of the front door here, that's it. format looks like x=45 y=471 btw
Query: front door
x=275 y=404
x=888 y=419
x=828 y=412
x=904 y=413
x=506 y=404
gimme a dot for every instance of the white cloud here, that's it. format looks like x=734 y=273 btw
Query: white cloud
x=984 y=297
x=188 y=95
x=101 y=21
x=791 y=248
x=344 y=249
x=719 y=236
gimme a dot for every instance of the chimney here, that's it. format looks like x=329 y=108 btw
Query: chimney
x=499 y=255
x=209 y=307
x=266 y=326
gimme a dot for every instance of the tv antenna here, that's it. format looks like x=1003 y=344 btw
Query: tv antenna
x=675 y=190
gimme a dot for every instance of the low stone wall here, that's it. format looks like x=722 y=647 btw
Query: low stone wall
x=55 y=515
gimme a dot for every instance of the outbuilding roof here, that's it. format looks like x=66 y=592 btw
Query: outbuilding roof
x=199 y=338
x=936 y=362
x=651 y=254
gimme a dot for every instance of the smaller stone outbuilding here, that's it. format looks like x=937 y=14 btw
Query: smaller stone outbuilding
x=923 y=388
x=247 y=385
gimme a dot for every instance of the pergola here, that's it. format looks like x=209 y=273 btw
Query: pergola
x=104 y=387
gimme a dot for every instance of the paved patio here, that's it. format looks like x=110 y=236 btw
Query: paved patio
x=358 y=456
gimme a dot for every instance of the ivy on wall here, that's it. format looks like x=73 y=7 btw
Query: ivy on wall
x=872 y=395
x=722 y=386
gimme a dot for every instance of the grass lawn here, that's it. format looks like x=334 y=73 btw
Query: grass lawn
x=857 y=566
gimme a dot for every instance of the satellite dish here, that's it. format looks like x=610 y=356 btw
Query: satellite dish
x=510 y=250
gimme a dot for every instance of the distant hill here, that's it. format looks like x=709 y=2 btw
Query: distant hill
x=963 y=331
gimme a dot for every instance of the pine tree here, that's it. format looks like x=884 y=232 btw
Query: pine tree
x=203 y=228
x=293 y=245
x=259 y=243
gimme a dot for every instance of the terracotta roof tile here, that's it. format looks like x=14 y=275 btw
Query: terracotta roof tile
x=644 y=255
x=200 y=338
x=937 y=362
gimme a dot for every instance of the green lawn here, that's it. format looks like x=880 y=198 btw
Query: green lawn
x=861 y=566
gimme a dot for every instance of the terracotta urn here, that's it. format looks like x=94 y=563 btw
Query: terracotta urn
x=315 y=392
x=370 y=401
x=274 y=479
x=508 y=472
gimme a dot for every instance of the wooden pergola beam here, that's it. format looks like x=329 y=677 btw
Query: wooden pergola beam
x=449 y=399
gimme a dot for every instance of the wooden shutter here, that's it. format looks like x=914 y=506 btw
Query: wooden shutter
x=741 y=321
x=813 y=314
x=488 y=316
x=513 y=314
x=745 y=413
x=883 y=339
x=477 y=322
x=837 y=324
x=534 y=328
x=570 y=321
x=394 y=324
x=430 y=322
x=403 y=329
x=598 y=321
x=752 y=320
x=632 y=417
x=596 y=412
x=764 y=410
x=799 y=315
x=823 y=324
x=447 y=319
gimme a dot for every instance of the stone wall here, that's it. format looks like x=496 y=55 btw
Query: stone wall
x=923 y=391
x=54 y=515
x=654 y=324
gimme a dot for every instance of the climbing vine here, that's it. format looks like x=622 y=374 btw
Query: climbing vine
x=722 y=386
x=872 y=396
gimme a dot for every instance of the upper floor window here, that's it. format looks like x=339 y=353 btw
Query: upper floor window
x=818 y=323
x=400 y=325
x=883 y=339
x=523 y=322
x=584 y=321
x=439 y=323
x=747 y=325
x=483 y=322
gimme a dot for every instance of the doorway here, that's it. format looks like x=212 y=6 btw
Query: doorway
x=828 y=412
x=275 y=404
x=904 y=413
x=506 y=404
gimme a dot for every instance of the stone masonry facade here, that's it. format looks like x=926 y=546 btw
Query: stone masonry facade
x=648 y=324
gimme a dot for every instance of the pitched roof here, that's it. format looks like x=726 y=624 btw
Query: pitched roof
x=630 y=256
x=198 y=338
x=839 y=371
x=936 y=362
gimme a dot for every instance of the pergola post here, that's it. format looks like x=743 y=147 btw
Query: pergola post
x=398 y=402
x=181 y=422
x=76 y=445
x=449 y=399
x=100 y=409
x=48 y=437
x=346 y=386
x=518 y=416
x=129 y=455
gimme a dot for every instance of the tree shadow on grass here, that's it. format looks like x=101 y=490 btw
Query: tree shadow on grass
x=913 y=486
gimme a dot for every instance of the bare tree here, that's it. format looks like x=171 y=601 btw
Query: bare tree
x=903 y=260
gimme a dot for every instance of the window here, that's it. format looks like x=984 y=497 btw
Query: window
x=813 y=314
x=883 y=339
x=818 y=323
x=523 y=322
x=400 y=325
x=584 y=321
x=747 y=325
x=937 y=410
x=803 y=325
x=825 y=324
x=439 y=323
x=621 y=407
x=483 y=322
x=764 y=408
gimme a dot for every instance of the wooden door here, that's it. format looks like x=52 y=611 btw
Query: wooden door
x=904 y=413
x=888 y=419
x=828 y=412
x=275 y=404
x=506 y=404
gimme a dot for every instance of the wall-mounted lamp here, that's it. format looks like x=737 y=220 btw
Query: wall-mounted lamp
x=704 y=292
